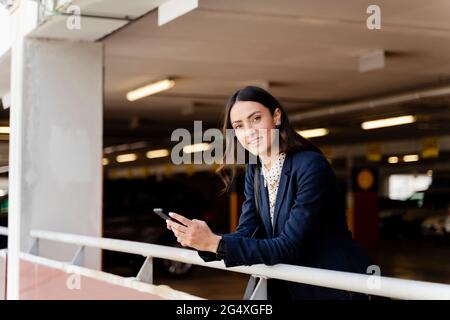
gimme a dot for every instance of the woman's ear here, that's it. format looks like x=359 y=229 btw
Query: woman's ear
x=277 y=117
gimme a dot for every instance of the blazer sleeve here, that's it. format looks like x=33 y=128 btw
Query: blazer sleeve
x=315 y=187
x=248 y=220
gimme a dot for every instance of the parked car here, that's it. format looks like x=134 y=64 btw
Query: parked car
x=128 y=215
x=434 y=225
x=437 y=225
x=423 y=213
x=390 y=214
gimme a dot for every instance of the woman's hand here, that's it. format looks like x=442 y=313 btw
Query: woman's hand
x=195 y=233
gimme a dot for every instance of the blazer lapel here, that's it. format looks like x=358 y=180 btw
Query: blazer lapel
x=265 y=211
x=284 y=177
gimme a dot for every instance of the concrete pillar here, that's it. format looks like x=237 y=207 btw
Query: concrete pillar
x=56 y=144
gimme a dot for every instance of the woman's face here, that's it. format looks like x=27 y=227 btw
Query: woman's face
x=252 y=123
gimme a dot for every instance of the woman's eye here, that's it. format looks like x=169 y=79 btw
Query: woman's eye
x=257 y=118
x=237 y=126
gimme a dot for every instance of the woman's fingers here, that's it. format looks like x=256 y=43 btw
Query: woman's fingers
x=177 y=233
x=180 y=218
x=187 y=231
x=176 y=226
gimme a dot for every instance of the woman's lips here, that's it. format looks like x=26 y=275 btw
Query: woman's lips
x=254 y=141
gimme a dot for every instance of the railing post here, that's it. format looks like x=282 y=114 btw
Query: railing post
x=146 y=272
x=250 y=287
x=260 y=292
x=35 y=247
x=256 y=288
x=78 y=258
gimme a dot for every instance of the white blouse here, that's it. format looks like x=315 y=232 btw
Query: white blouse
x=272 y=180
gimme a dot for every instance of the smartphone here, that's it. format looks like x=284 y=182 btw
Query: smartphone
x=164 y=216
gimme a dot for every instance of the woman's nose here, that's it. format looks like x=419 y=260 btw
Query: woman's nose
x=250 y=133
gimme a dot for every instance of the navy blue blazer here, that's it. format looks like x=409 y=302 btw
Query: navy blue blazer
x=309 y=227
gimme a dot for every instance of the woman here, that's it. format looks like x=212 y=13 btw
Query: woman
x=302 y=216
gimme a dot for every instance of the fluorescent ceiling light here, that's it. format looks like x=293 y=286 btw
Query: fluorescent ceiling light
x=411 y=157
x=388 y=122
x=372 y=61
x=127 y=157
x=157 y=153
x=196 y=147
x=313 y=133
x=393 y=159
x=150 y=89
x=4 y=130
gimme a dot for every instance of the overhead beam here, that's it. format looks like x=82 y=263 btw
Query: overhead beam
x=371 y=104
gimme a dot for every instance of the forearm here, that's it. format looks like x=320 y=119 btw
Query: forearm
x=214 y=243
x=248 y=251
x=211 y=254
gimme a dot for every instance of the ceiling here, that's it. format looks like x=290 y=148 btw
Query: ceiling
x=306 y=50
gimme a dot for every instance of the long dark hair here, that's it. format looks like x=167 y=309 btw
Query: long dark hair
x=290 y=140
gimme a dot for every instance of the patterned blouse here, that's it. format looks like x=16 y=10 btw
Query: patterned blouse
x=272 y=180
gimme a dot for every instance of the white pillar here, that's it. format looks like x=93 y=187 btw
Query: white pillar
x=22 y=21
x=15 y=170
x=56 y=144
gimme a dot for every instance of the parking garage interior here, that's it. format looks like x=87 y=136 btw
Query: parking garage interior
x=307 y=55
x=310 y=55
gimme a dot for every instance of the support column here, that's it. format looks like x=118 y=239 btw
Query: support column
x=364 y=183
x=56 y=144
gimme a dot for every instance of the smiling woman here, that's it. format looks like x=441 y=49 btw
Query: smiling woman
x=251 y=111
x=292 y=213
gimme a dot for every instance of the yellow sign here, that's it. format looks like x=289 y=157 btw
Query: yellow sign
x=365 y=179
x=430 y=148
x=374 y=152
x=147 y=172
x=168 y=170
x=190 y=169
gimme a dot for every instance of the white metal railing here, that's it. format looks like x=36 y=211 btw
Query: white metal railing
x=384 y=286
x=3 y=231
x=75 y=267
x=132 y=283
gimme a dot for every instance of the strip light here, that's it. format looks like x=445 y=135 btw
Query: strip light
x=313 y=133
x=159 y=153
x=388 y=122
x=150 y=89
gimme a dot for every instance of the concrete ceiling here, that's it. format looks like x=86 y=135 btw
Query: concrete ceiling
x=307 y=50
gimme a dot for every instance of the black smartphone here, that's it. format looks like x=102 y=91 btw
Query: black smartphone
x=164 y=216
